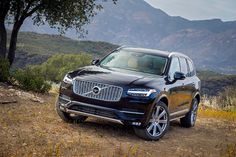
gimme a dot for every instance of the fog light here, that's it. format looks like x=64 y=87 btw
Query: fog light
x=136 y=123
x=62 y=108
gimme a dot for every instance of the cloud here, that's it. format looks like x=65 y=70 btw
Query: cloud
x=198 y=9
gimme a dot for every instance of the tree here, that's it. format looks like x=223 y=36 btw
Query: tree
x=60 y=14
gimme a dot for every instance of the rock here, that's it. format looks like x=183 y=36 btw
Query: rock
x=24 y=144
x=37 y=99
x=8 y=102
x=11 y=90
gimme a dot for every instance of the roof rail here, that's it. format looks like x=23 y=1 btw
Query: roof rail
x=123 y=46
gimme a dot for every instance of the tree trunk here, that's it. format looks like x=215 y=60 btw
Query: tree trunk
x=4 y=7
x=13 y=41
x=3 y=40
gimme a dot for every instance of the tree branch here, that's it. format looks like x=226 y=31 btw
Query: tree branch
x=33 y=10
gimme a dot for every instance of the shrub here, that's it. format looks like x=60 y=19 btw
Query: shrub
x=4 y=69
x=227 y=99
x=55 y=68
x=30 y=80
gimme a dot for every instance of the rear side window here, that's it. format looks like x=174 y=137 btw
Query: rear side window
x=183 y=65
x=174 y=67
x=191 y=68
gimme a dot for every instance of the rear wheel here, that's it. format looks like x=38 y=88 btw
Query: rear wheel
x=190 y=118
x=158 y=123
x=69 y=118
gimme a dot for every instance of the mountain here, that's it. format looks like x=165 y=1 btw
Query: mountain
x=210 y=43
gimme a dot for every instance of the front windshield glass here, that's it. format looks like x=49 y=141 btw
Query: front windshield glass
x=135 y=61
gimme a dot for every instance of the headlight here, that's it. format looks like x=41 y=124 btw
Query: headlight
x=141 y=92
x=67 y=79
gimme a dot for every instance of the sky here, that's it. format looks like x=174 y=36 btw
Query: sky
x=198 y=9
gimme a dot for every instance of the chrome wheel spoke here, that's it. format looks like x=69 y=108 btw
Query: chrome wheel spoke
x=195 y=107
x=157 y=111
x=152 y=120
x=154 y=130
x=150 y=127
x=163 y=121
x=162 y=114
x=159 y=128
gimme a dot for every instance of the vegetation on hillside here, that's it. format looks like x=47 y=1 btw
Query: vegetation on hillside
x=55 y=68
x=36 y=78
x=225 y=100
x=30 y=80
x=213 y=83
x=44 y=44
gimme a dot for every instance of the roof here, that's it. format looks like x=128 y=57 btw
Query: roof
x=153 y=51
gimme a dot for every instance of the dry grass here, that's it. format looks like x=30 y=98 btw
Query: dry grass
x=218 y=114
x=225 y=101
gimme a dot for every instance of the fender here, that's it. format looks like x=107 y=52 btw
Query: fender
x=149 y=114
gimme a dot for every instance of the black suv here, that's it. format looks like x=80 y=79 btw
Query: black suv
x=133 y=86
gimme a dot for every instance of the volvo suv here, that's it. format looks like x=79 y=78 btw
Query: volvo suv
x=140 y=87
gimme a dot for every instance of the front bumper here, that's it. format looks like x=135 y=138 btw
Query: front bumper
x=110 y=114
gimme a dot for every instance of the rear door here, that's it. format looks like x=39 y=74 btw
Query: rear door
x=187 y=84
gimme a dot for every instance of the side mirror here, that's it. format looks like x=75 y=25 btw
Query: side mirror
x=179 y=76
x=94 y=61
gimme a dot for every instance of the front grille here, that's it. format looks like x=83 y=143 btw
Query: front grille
x=103 y=92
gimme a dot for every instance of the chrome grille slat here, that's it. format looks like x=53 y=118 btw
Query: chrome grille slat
x=107 y=92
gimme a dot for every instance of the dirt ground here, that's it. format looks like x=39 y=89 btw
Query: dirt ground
x=32 y=128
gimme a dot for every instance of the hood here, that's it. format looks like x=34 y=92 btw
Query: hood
x=111 y=76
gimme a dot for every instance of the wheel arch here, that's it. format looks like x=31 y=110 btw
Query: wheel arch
x=164 y=99
x=197 y=96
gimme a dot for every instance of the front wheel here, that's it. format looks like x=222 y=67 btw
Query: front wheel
x=190 y=118
x=158 y=123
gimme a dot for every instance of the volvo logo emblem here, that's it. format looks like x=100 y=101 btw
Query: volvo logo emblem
x=96 y=90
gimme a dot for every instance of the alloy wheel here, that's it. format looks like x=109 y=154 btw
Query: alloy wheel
x=158 y=121
x=194 y=112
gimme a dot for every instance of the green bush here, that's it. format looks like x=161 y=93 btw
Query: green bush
x=55 y=68
x=31 y=80
x=4 y=69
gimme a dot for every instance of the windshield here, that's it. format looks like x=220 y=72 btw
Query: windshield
x=135 y=61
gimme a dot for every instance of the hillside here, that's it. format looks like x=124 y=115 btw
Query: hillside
x=211 y=43
x=34 y=48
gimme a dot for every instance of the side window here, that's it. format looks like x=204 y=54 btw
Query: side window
x=183 y=65
x=191 y=68
x=174 y=67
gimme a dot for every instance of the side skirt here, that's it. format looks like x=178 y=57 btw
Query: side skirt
x=178 y=114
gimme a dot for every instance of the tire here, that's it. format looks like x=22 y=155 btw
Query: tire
x=158 y=123
x=69 y=118
x=190 y=118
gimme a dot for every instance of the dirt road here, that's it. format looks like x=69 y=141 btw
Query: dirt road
x=29 y=128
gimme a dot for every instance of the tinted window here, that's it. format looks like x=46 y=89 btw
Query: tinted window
x=191 y=68
x=174 y=67
x=183 y=65
x=135 y=61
